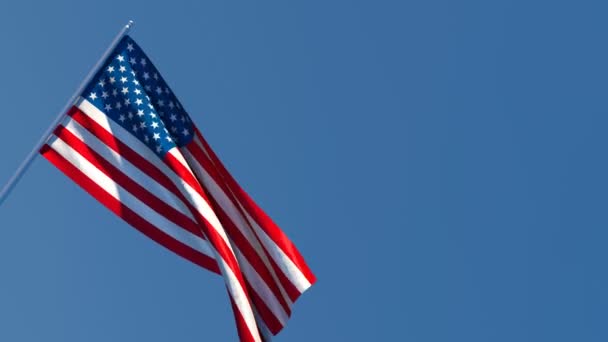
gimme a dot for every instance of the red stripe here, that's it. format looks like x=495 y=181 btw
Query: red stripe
x=241 y=240
x=126 y=213
x=128 y=153
x=184 y=173
x=266 y=314
x=213 y=236
x=127 y=183
x=263 y=220
x=245 y=248
x=208 y=229
x=234 y=192
x=241 y=327
x=249 y=252
x=271 y=321
x=292 y=292
x=136 y=159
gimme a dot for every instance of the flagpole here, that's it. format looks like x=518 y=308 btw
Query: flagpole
x=6 y=190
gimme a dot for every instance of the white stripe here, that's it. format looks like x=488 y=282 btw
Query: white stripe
x=135 y=144
x=127 y=199
x=133 y=172
x=130 y=140
x=238 y=293
x=255 y=280
x=282 y=260
x=240 y=299
x=289 y=268
x=201 y=204
x=228 y=207
x=233 y=285
x=262 y=289
x=262 y=327
x=232 y=282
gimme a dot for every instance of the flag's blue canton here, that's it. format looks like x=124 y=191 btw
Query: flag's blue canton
x=131 y=92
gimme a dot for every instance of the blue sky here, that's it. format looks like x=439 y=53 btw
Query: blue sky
x=441 y=165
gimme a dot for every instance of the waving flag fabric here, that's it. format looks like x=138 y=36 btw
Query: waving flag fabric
x=130 y=144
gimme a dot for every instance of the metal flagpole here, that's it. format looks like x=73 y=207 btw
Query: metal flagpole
x=30 y=157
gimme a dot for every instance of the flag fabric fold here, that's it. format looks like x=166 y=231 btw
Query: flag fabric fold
x=129 y=143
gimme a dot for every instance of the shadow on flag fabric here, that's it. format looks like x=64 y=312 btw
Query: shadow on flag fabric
x=129 y=143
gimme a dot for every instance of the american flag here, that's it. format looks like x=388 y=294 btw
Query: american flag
x=128 y=142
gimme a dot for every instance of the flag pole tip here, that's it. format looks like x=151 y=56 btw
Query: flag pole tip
x=130 y=24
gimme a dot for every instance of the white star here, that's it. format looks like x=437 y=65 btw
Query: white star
x=140 y=112
x=123 y=79
x=158 y=149
x=93 y=96
x=138 y=102
x=171 y=105
x=156 y=136
x=161 y=103
x=146 y=76
x=120 y=58
x=132 y=61
x=142 y=124
x=134 y=128
x=136 y=82
x=104 y=95
x=148 y=88
x=114 y=92
x=143 y=62
x=122 y=118
x=154 y=124
x=159 y=91
x=110 y=69
x=152 y=115
x=155 y=76
x=112 y=80
x=102 y=83
x=183 y=118
x=173 y=129
x=173 y=117
x=150 y=105
x=130 y=47
x=127 y=102
x=186 y=132
x=137 y=91
x=125 y=90
x=118 y=105
x=122 y=68
x=167 y=90
x=146 y=138
x=130 y=115
x=133 y=72
x=108 y=107
x=169 y=139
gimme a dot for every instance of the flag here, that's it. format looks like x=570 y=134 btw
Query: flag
x=129 y=143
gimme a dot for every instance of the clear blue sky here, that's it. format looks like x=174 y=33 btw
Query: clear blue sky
x=441 y=165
